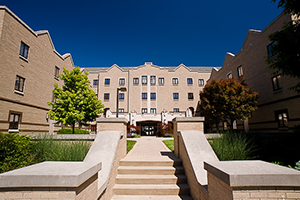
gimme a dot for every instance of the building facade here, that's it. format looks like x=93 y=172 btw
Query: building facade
x=278 y=107
x=154 y=94
x=30 y=66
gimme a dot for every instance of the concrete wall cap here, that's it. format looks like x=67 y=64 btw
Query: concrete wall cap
x=111 y=120
x=253 y=173
x=50 y=174
x=188 y=119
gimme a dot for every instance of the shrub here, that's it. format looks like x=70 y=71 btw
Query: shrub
x=233 y=146
x=47 y=149
x=70 y=131
x=15 y=152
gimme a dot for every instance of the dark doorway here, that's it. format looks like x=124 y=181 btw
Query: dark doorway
x=148 y=128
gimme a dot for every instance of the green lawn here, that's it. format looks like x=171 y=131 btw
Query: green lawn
x=169 y=144
x=130 y=144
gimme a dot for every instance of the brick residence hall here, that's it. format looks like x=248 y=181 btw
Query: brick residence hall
x=30 y=66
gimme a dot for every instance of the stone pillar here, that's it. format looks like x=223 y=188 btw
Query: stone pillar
x=184 y=124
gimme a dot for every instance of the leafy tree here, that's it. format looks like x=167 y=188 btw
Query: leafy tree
x=287 y=44
x=227 y=100
x=75 y=101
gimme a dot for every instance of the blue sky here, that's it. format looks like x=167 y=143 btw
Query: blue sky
x=131 y=32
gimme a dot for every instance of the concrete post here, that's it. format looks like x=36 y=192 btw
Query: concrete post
x=184 y=124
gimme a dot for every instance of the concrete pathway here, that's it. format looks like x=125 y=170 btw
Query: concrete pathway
x=154 y=170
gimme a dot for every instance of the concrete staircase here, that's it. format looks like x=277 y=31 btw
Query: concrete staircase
x=151 y=179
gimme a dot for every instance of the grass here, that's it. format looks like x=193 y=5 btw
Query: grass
x=169 y=144
x=130 y=144
x=45 y=148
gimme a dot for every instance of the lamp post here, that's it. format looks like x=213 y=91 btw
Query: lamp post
x=122 y=89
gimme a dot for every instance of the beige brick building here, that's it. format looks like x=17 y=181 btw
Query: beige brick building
x=278 y=107
x=29 y=68
x=153 y=93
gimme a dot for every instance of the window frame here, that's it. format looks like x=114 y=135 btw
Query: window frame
x=13 y=126
x=176 y=110
x=56 y=72
x=175 y=81
x=144 y=80
x=189 y=81
x=121 y=81
x=107 y=81
x=240 y=71
x=135 y=81
x=152 y=80
x=190 y=96
x=121 y=96
x=144 y=110
x=201 y=80
x=175 y=96
x=276 y=83
x=161 y=81
x=144 y=96
x=24 y=50
x=229 y=75
x=281 y=122
x=271 y=52
x=18 y=87
x=95 y=81
x=153 y=96
x=106 y=96
x=121 y=110
x=153 y=110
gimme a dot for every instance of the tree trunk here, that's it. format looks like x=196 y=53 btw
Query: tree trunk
x=73 y=127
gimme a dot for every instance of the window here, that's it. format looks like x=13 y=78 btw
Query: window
x=175 y=81
x=176 y=110
x=161 y=81
x=144 y=95
x=153 y=110
x=144 y=80
x=282 y=118
x=144 y=110
x=24 y=50
x=14 y=120
x=229 y=75
x=19 y=84
x=152 y=80
x=107 y=81
x=95 y=82
x=240 y=71
x=153 y=96
x=121 y=96
x=189 y=81
x=276 y=82
x=122 y=81
x=121 y=110
x=106 y=96
x=56 y=72
x=191 y=96
x=201 y=82
x=135 y=81
x=175 y=96
x=271 y=52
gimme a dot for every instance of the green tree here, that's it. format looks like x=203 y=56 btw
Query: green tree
x=286 y=44
x=227 y=100
x=75 y=101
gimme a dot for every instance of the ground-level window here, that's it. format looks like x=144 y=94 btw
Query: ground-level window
x=106 y=96
x=121 y=110
x=240 y=71
x=175 y=96
x=190 y=96
x=144 y=110
x=144 y=95
x=201 y=82
x=276 y=82
x=121 y=96
x=14 y=120
x=161 y=81
x=282 y=118
x=122 y=81
x=176 y=110
x=19 y=84
x=152 y=110
x=93 y=128
x=135 y=81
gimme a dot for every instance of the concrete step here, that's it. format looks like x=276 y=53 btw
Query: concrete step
x=152 y=197
x=150 y=162
x=150 y=179
x=146 y=170
x=149 y=189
